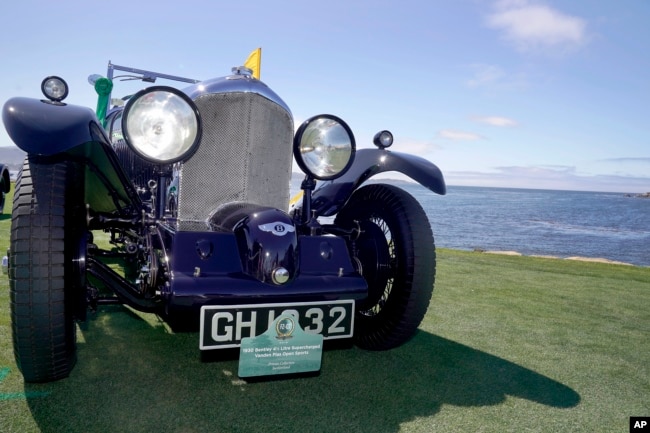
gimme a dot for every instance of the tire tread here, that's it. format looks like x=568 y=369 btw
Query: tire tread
x=41 y=327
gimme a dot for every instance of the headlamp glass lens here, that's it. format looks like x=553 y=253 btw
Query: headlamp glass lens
x=161 y=125
x=326 y=147
x=54 y=88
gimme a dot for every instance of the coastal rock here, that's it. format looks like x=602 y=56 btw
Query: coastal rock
x=577 y=258
x=642 y=195
x=597 y=260
x=505 y=253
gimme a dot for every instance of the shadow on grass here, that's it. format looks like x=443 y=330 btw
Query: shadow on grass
x=133 y=376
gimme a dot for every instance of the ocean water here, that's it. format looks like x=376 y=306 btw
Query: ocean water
x=536 y=222
x=540 y=222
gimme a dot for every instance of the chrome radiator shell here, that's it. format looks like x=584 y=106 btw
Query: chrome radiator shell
x=245 y=155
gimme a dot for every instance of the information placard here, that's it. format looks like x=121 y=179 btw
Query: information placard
x=283 y=349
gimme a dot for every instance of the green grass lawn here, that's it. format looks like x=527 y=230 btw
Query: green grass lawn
x=510 y=344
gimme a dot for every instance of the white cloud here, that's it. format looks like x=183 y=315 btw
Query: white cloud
x=546 y=171
x=641 y=160
x=531 y=25
x=494 y=77
x=455 y=135
x=548 y=177
x=496 y=121
x=485 y=74
x=415 y=147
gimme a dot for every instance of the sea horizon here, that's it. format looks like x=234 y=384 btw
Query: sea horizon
x=540 y=222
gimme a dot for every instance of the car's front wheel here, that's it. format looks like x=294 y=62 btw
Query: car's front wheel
x=395 y=253
x=45 y=268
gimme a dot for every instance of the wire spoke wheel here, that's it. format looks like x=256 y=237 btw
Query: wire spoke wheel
x=395 y=253
x=388 y=268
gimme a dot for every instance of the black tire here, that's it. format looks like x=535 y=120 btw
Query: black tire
x=44 y=279
x=5 y=186
x=395 y=253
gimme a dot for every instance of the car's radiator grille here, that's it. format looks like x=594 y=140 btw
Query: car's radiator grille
x=244 y=155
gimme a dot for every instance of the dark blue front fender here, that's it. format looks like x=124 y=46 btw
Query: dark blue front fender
x=46 y=128
x=330 y=196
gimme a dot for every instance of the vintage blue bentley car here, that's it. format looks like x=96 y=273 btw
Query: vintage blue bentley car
x=189 y=191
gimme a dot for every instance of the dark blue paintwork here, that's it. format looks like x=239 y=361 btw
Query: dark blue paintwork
x=326 y=273
x=330 y=196
x=47 y=128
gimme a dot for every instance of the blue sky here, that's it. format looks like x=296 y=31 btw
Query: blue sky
x=515 y=93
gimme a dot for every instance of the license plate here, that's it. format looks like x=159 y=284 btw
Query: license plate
x=223 y=326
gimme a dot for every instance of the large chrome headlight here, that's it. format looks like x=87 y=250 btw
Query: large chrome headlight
x=324 y=147
x=161 y=124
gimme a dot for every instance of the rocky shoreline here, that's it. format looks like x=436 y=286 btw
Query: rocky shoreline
x=642 y=195
x=579 y=258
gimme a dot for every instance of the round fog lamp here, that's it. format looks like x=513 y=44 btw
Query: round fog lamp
x=383 y=139
x=54 y=88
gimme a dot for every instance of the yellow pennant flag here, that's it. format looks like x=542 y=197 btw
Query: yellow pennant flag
x=254 y=62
